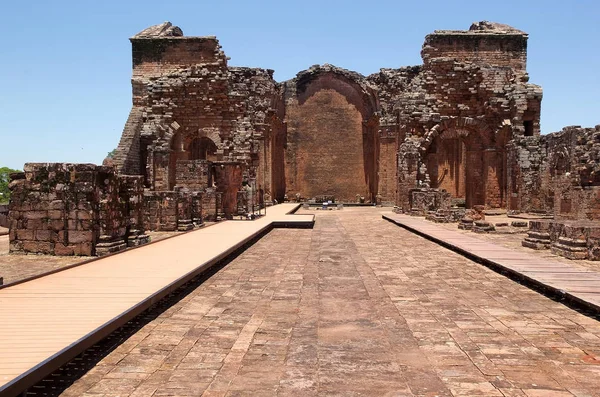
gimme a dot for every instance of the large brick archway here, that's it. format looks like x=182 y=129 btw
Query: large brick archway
x=331 y=136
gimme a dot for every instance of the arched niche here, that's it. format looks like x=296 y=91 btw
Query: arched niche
x=188 y=147
x=332 y=140
x=462 y=158
x=202 y=148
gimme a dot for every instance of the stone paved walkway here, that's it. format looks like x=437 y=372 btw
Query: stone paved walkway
x=355 y=307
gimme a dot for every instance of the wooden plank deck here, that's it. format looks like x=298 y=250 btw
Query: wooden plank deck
x=47 y=321
x=573 y=282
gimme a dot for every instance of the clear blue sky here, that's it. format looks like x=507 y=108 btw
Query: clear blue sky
x=66 y=65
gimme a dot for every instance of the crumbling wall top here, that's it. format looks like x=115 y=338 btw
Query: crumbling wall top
x=165 y=29
x=483 y=28
x=487 y=26
x=162 y=48
x=485 y=43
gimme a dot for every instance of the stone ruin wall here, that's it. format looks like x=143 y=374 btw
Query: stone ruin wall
x=4 y=216
x=331 y=126
x=183 y=91
x=74 y=209
x=471 y=81
x=196 y=175
x=557 y=174
x=178 y=210
x=465 y=122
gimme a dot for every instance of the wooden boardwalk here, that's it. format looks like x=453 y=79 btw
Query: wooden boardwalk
x=574 y=283
x=47 y=321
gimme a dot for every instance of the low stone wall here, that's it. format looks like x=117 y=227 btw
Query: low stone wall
x=173 y=210
x=4 y=216
x=212 y=207
x=570 y=239
x=422 y=201
x=194 y=174
x=72 y=209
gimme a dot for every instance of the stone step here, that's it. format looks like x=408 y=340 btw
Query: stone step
x=134 y=241
x=483 y=227
x=575 y=253
x=519 y=224
x=465 y=225
x=106 y=248
x=184 y=225
x=536 y=244
x=571 y=242
x=538 y=235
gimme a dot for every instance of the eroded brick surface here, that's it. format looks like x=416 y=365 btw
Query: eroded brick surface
x=357 y=307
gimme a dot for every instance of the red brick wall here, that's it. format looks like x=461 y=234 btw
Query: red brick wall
x=388 y=168
x=493 y=49
x=447 y=167
x=155 y=55
x=325 y=148
x=229 y=178
x=193 y=174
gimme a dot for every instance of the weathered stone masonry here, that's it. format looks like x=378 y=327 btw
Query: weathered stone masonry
x=333 y=132
x=74 y=209
x=461 y=129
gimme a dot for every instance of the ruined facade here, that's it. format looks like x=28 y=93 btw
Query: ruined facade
x=462 y=129
x=331 y=132
x=195 y=122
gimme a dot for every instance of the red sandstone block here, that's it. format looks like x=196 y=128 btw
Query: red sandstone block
x=64 y=250
x=57 y=205
x=46 y=235
x=77 y=236
x=84 y=214
x=41 y=206
x=55 y=214
x=40 y=247
x=14 y=215
x=36 y=214
x=83 y=249
x=56 y=224
x=25 y=234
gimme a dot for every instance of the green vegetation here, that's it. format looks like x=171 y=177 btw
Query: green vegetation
x=112 y=153
x=4 y=180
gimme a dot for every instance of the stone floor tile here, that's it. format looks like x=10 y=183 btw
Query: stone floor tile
x=355 y=307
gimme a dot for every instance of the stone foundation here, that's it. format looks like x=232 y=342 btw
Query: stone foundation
x=422 y=201
x=538 y=236
x=446 y=215
x=179 y=210
x=482 y=226
x=570 y=239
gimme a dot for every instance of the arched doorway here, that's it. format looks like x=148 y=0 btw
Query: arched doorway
x=190 y=151
x=461 y=159
x=202 y=148
x=331 y=145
